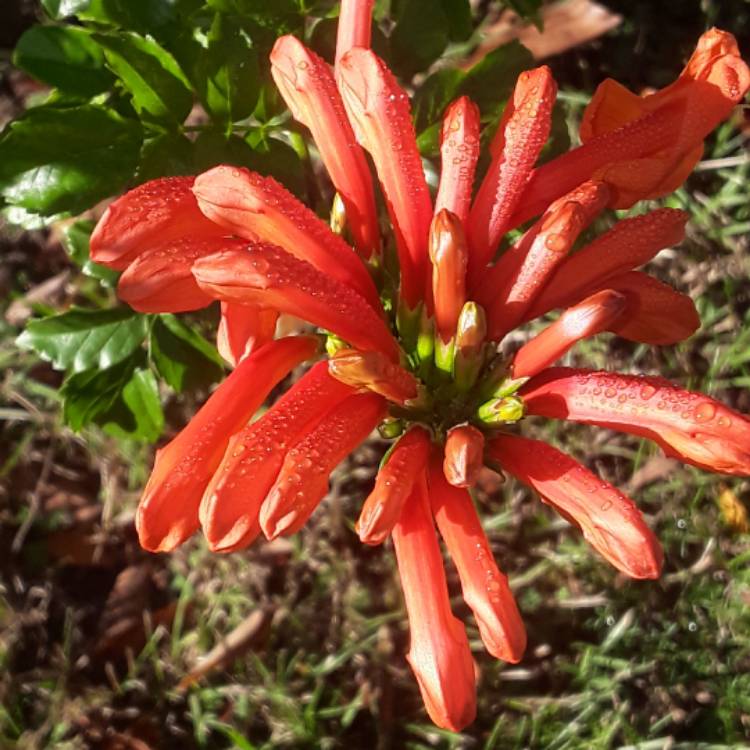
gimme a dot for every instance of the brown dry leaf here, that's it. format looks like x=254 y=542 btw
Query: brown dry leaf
x=733 y=510
x=49 y=292
x=566 y=25
x=244 y=637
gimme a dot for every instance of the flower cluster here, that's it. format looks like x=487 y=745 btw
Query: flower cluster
x=411 y=321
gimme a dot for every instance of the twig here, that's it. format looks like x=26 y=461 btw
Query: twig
x=35 y=501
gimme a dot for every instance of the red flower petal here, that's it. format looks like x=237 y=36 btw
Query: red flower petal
x=375 y=372
x=449 y=258
x=525 y=268
x=595 y=314
x=354 y=27
x=303 y=480
x=168 y=511
x=256 y=207
x=393 y=485
x=243 y=329
x=522 y=133
x=687 y=425
x=634 y=140
x=629 y=244
x=379 y=112
x=152 y=214
x=459 y=152
x=309 y=89
x=439 y=653
x=160 y=279
x=485 y=589
x=231 y=503
x=656 y=314
x=266 y=276
x=609 y=520
x=464 y=455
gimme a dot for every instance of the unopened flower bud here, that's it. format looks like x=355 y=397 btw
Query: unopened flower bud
x=500 y=411
x=375 y=372
x=469 y=354
x=464 y=453
x=338 y=215
x=449 y=256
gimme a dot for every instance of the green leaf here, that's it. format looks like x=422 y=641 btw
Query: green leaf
x=276 y=18
x=490 y=82
x=75 y=240
x=59 y=9
x=272 y=156
x=458 y=13
x=79 y=339
x=434 y=95
x=54 y=160
x=165 y=155
x=419 y=36
x=156 y=17
x=150 y=74
x=213 y=147
x=527 y=9
x=137 y=412
x=227 y=74
x=63 y=56
x=88 y=394
x=183 y=357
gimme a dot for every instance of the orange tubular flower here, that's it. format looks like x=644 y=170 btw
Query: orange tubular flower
x=449 y=256
x=355 y=26
x=309 y=89
x=594 y=315
x=645 y=147
x=439 y=653
x=265 y=275
x=464 y=455
x=232 y=501
x=527 y=266
x=303 y=480
x=629 y=244
x=393 y=485
x=379 y=111
x=168 y=513
x=242 y=329
x=522 y=133
x=687 y=425
x=258 y=208
x=425 y=358
x=373 y=371
x=609 y=520
x=459 y=152
x=153 y=214
x=485 y=589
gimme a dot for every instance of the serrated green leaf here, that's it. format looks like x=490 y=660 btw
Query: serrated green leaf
x=419 y=36
x=183 y=357
x=54 y=159
x=20 y=217
x=75 y=240
x=150 y=74
x=227 y=74
x=78 y=340
x=63 y=56
x=136 y=413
